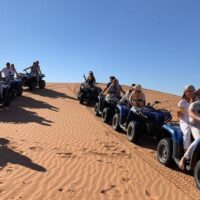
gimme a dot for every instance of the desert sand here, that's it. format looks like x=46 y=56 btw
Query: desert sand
x=53 y=148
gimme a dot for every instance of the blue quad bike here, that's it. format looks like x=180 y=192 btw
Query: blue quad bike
x=106 y=108
x=170 y=150
x=136 y=121
x=88 y=93
x=5 y=94
x=29 y=80
x=15 y=86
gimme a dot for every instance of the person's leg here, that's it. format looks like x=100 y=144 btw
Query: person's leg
x=185 y=128
x=187 y=155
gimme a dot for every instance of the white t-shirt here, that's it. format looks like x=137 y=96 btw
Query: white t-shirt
x=184 y=105
x=195 y=108
x=6 y=72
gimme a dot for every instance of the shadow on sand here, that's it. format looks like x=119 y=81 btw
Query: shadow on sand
x=51 y=94
x=9 y=156
x=28 y=102
x=19 y=115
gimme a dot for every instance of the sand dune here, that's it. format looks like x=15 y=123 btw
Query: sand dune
x=53 y=148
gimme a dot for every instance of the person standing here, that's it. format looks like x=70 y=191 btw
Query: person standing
x=183 y=104
x=194 y=121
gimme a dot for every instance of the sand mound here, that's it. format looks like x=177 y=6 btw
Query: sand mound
x=53 y=148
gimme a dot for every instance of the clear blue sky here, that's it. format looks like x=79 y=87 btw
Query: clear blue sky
x=152 y=42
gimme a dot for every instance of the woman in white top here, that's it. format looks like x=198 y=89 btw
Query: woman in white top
x=194 y=121
x=187 y=98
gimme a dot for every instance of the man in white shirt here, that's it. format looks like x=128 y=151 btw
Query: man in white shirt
x=6 y=71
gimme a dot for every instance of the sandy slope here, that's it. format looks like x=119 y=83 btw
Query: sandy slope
x=51 y=147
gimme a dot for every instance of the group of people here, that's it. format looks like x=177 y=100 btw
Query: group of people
x=189 y=110
x=10 y=72
x=133 y=97
x=189 y=114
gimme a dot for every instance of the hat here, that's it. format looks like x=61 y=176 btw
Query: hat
x=138 y=87
x=189 y=88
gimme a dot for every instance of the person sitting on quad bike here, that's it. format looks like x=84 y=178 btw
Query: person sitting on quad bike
x=6 y=71
x=187 y=98
x=13 y=71
x=91 y=79
x=35 y=70
x=194 y=120
x=113 y=89
x=126 y=98
x=137 y=97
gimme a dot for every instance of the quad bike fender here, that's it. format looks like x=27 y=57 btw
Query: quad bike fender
x=122 y=110
x=132 y=115
x=175 y=133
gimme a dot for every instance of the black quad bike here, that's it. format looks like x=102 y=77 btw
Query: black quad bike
x=88 y=93
x=15 y=86
x=5 y=94
x=105 y=107
x=29 y=79
x=136 y=121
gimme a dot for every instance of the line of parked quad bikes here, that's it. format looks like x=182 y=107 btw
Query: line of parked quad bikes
x=11 y=87
x=146 y=121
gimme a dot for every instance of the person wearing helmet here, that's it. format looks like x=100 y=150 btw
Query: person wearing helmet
x=137 y=97
x=184 y=113
x=91 y=79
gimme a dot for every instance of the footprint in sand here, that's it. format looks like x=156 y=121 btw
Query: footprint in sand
x=111 y=191
x=36 y=148
x=66 y=155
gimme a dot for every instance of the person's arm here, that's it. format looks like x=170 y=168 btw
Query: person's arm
x=193 y=115
x=121 y=89
x=104 y=90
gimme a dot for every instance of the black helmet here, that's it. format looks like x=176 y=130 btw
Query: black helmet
x=91 y=73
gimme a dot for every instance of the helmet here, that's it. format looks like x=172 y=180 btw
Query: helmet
x=189 y=88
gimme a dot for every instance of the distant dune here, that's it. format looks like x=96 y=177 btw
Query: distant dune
x=53 y=148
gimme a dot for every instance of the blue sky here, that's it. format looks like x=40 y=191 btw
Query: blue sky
x=152 y=42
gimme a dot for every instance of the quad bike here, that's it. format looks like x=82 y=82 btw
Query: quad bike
x=5 y=94
x=137 y=121
x=88 y=93
x=29 y=79
x=105 y=107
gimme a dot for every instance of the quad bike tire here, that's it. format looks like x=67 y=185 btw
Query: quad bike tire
x=106 y=115
x=197 y=174
x=96 y=112
x=115 y=122
x=81 y=98
x=42 y=84
x=20 y=91
x=32 y=86
x=132 y=132
x=164 y=151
